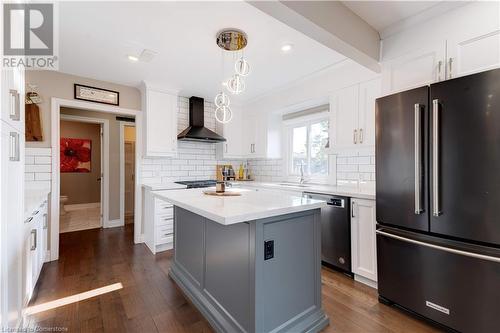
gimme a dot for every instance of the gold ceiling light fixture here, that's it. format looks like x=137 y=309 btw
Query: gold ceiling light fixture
x=231 y=40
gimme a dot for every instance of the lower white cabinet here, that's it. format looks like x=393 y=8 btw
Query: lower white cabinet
x=158 y=223
x=34 y=250
x=363 y=241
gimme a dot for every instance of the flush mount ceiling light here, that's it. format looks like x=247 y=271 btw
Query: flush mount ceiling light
x=285 y=48
x=234 y=41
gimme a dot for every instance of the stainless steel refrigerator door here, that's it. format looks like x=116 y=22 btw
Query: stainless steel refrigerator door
x=465 y=157
x=402 y=159
x=453 y=283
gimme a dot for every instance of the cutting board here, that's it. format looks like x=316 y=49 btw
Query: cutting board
x=222 y=194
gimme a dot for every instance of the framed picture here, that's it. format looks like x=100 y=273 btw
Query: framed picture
x=98 y=95
x=75 y=155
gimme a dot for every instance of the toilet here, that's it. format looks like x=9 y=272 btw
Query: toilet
x=62 y=201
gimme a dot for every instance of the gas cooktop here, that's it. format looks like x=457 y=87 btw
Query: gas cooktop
x=197 y=183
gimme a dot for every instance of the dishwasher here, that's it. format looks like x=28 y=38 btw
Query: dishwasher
x=335 y=231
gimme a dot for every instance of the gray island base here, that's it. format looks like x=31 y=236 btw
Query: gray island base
x=262 y=275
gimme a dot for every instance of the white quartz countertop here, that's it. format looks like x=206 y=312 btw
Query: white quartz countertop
x=34 y=196
x=362 y=191
x=163 y=186
x=249 y=206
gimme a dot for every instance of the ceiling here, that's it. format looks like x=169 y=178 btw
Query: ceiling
x=382 y=14
x=95 y=39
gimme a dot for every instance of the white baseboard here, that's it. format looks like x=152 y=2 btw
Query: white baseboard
x=114 y=223
x=82 y=206
x=47 y=256
x=366 y=281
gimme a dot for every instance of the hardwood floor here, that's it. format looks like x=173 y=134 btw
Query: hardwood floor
x=151 y=302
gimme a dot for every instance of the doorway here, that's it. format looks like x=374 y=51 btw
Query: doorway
x=127 y=171
x=83 y=166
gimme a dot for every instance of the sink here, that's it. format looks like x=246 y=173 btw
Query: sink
x=293 y=184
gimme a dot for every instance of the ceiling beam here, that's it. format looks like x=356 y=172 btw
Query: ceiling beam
x=331 y=24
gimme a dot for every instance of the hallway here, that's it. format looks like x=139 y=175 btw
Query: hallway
x=151 y=302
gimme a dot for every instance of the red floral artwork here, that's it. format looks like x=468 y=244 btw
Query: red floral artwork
x=75 y=155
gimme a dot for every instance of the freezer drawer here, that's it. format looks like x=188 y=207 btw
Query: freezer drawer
x=452 y=283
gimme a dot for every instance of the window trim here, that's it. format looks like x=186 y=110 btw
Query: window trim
x=288 y=126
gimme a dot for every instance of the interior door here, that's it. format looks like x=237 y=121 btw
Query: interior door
x=129 y=178
x=465 y=158
x=401 y=159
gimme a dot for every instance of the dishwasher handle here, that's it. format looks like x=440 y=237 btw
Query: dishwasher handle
x=337 y=202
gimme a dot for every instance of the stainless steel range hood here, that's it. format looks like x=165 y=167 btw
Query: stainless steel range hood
x=197 y=130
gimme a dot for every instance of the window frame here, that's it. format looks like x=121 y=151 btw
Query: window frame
x=289 y=126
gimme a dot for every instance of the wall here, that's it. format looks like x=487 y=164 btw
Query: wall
x=83 y=187
x=56 y=84
x=313 y=90
x=114 y=155
x=349 y=166
x=195 y=160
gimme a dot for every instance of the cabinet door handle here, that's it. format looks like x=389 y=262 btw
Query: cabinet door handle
x=33 y=240
x=450 y=61
x=225 y=147
x=440 y=64
x=14 y=146
x=45 y=221
x=28 y=220
x=352 y=209
x=14 y=106
x=360 y=135
x=355 y=136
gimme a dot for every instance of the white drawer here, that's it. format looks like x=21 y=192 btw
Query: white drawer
x=163 y=207
x=163 y=220
x=164 y=234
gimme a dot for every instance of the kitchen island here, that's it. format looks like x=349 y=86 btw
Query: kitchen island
x=249 y=263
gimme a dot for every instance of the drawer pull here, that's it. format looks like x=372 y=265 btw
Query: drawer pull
x=29 y=219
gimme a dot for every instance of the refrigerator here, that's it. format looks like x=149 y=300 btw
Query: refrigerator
x=438 y=201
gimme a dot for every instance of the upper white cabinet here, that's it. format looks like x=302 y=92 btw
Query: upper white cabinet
x=232 y=131
x=469 y=55
x=251 y=135
x=462 y=41
x=363 y=239
x=344 y=117
x=13 y=98
x=160 y=121
x=352 y=116
x=423 y=66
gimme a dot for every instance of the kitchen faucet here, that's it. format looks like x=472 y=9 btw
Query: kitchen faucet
x=302 y=180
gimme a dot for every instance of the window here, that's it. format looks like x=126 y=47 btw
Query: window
x=307 y=147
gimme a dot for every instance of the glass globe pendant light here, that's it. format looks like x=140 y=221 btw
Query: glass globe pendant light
x=236 y=84
x=222 y=99
x=242 y=67
x=223 y=114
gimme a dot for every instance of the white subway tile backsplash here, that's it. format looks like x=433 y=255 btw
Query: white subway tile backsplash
x=38 y=168
x=38 y=165
x=29 y=160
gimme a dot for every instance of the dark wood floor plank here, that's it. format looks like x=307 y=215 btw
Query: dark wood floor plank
x=151 y=302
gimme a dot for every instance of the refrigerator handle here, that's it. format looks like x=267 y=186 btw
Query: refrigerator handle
x=438 y=247
x=418 y=160
x=435 y=158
